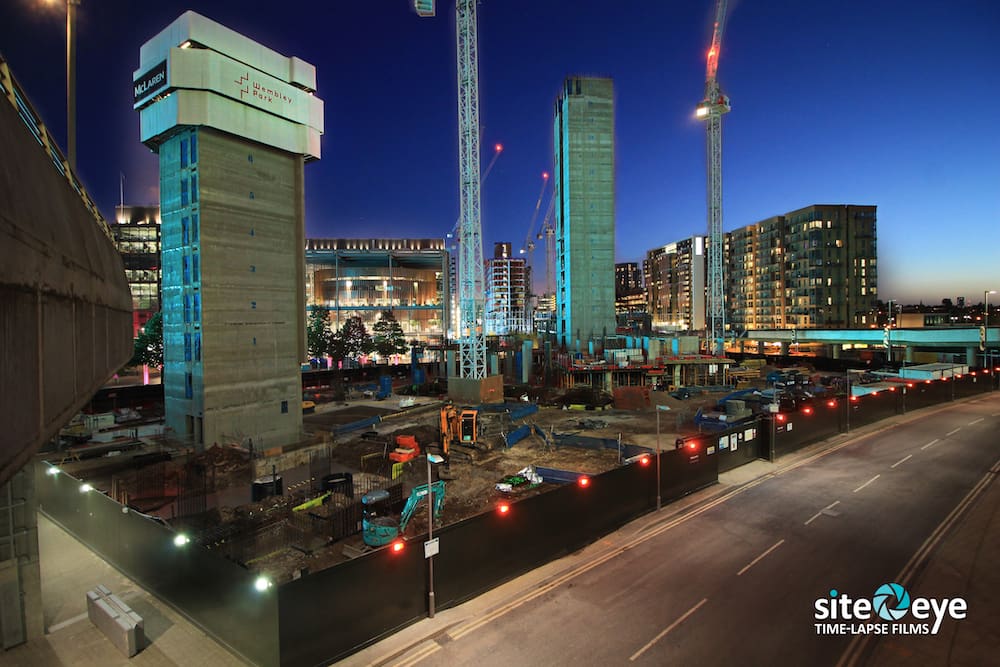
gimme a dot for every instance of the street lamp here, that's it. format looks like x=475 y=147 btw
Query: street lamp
x=986 y=301
x=435 y=459
x=659 y=409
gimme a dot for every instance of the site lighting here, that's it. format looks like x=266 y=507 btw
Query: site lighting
x=435 y=459
x=659 y=409
x=85 y=488
x=261 y=584
x=180 y=539
x=52 y=470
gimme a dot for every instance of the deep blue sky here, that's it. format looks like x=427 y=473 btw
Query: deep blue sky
x=888 y=102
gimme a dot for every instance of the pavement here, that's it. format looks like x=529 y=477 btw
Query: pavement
x=959 y=563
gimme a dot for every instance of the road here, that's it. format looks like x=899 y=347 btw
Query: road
x=734 y=581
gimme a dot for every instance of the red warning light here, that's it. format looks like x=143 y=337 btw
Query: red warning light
x=780 y=417
x=503 y=508
x=910 y=385
x=397 y=546
x=545 y=175
x=644 y=461
x=583 y=481
x=972 y=373
x=498 y=147
x=854 y=398
x=692 y=445
x=831 y=404
x=807 y=410
x=958 y=375
x=892 y=389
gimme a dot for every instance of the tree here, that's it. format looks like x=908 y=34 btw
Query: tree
x=319 y=337
x=148 y=346
x=353 y=338
x=389 y=338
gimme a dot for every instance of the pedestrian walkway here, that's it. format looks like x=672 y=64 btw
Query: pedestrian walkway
x=69 y=570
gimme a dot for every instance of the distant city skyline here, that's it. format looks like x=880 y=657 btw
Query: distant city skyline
x=849 y=102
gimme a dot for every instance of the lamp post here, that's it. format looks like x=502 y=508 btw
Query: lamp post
x=659 y=409
x=435 y=459
x=986 y=307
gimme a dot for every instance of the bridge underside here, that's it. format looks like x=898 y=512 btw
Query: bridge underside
x=65 y=307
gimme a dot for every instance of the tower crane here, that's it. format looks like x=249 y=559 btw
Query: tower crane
x=471 y=279
x=529 y=242
x=711 y=110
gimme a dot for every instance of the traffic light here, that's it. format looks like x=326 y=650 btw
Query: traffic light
x=424 y=7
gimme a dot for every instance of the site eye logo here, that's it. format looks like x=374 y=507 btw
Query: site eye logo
x=891 y=602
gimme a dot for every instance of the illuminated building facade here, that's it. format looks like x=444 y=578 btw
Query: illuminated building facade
x=136 y=231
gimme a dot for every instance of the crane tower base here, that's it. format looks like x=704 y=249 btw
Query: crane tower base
x=473 y=391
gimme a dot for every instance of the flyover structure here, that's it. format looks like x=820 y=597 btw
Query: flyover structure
x=974 y=342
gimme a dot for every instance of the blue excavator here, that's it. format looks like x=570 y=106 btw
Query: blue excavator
x=379 y=526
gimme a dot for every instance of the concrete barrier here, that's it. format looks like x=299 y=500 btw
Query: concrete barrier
x=122 y=626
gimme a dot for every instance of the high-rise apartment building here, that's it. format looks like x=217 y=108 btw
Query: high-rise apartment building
x=628 y=278
x=233 y=123
x=506 y=293
x=136 y=231
x=675 y=285
x=813 y=267
x=584 y=146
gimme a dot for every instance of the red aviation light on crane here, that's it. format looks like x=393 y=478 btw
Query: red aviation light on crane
x=545 y=175
x=583 y=481
x=498 y=148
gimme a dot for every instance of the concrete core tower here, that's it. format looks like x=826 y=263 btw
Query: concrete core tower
x=233 y=123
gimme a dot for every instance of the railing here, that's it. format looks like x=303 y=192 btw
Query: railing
x=12 y=91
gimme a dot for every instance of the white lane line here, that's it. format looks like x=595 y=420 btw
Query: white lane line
x=902 y=460
x=68 y=622
x=867 y=483
x=668 y=629
x=929 y=444
x=819 y=513
x=976 y=421
x=758 y=558
x=953 y=432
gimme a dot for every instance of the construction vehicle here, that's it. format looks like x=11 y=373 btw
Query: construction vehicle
x=379 y=527
x=458 y=427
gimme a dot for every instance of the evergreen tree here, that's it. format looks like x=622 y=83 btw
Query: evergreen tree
x=389 y=338
x=319 y=337
x=353 y=338
x=148 y=347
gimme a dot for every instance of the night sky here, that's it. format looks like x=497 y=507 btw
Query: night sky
x=879 y=102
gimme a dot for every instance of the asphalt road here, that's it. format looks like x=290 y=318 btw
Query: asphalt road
x=735 y=580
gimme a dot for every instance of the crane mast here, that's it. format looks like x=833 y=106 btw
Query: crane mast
x=711 y=110
x=472 y=339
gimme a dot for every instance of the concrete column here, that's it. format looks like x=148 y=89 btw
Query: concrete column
x=450 y=363
x=494 y=363
x=526 y=361
x=742 y=346
x=908 y=354
x=970 y=356
x=677 y=375
x=835 y=350
x=784 y=349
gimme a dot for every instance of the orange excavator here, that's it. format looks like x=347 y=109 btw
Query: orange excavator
x=458 y=427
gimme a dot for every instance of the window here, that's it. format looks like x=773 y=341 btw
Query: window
x=197 y=347
x=194 y=228
x=185 y=200
x=188 y=386
x=187 y=308
x=284 y=407
x=195 y=268
x=194 y=148
x=197 y=307
x=185 y=231
x=187 y=347
x=186 y=269
x=184 y=153
x=194 y=188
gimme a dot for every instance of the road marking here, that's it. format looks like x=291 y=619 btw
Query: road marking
x=929 y=444
x=425 y=652
x=867 y=483
x=68 y=622
x=757 y=559
x=852 y=656
x=819 y=513
x=902 y=460
x=976 y=421
x=668 y=629
x=953 y=432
